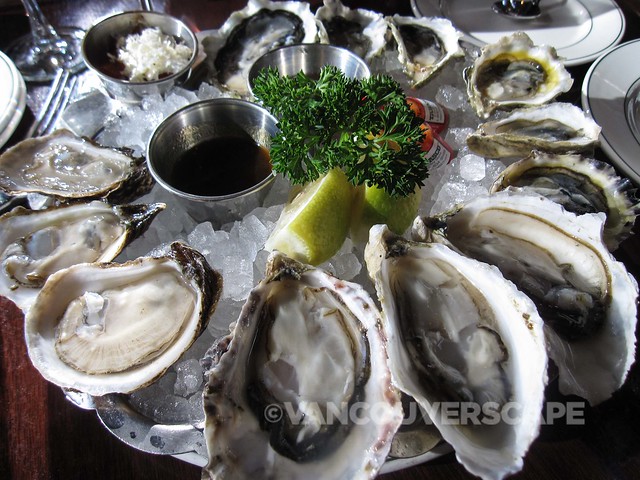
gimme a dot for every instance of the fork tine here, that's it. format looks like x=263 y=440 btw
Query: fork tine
x=52 y=98
x=61 y=91
x=64 y=98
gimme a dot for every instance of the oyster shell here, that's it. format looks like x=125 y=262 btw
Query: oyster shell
x=36 y=243
x=305 y=354
x=586 y=298
x=554 y=128
x=362 y=31
x=514 y=72
x=424 y=45
x=461 y=335
x=113 y=328
x=251 y=32
x=68 y=167
x=580 y=185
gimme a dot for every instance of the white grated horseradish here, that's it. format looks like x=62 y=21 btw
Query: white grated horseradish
x=150 y=55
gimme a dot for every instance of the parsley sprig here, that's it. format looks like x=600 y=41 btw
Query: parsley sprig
x=363 y=126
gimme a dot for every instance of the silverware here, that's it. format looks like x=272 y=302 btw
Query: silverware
x=61 y=91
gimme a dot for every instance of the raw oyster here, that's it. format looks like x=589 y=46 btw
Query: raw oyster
x=555 y=128
x=364 y=32
x=301 y=388
x=250 y=33
x=36 y=243
x=461 y=335
x=586 y=298
x=514 y=72
x=68 y=167
x=580 y=185
x=424 y=45
x=113 y=328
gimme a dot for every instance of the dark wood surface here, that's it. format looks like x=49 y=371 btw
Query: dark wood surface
x=43 y=436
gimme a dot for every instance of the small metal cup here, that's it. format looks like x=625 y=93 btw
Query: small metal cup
x=309 y=58
x=100 y=41
x=202 y=121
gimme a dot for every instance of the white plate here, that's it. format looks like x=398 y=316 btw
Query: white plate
x=611 y=95
x=579 y=30
x=13 y=98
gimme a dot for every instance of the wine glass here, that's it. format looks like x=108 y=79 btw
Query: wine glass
x=40 y=54
x=526 y=9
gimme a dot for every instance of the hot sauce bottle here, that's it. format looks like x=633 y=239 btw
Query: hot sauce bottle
x=437 y=151
x=431 y=112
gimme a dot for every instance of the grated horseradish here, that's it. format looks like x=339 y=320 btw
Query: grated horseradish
x=151 y=55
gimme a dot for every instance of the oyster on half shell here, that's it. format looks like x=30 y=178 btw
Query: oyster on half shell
x=514 y=72
x=68 y=167
x=301 y=387
x=424 y=45
x=554 y=128
x=364 y=32
x=461 y=335
x=249 y=33
x=37 y=243
x=113 y=328
x=586 y=298
x=580 y=185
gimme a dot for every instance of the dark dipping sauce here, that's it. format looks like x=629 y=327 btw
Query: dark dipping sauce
x=221 y=166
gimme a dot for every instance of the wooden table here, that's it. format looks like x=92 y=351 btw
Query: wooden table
x=44 y=436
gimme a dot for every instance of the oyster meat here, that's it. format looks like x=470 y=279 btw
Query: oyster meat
x=424 y=45
x=250 y=33
x=36 y=243
x=461 y=335
x=514 y=72
x=301 y=387
x=581 y=185
x=554 y=128
x=68 y=167
x=113 y=328
x=364 y=32
x=586 y=298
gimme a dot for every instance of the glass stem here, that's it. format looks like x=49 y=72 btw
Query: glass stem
x=40 y=26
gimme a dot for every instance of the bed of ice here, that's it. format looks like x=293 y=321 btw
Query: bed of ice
x=236 y=248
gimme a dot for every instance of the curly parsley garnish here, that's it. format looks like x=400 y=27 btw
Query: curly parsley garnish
x=364 y=127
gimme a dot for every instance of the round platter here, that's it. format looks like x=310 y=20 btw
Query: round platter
x=614 y=103
x=579 y=30
x=184 y=439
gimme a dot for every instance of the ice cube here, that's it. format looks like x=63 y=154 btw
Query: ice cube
x=451 y=97
x=200 y=237
x=457 y=137
x=472 y=167
x=189 y=376
x=227 y=312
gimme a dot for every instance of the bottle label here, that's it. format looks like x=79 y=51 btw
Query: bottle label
x=438 y=155
x=431 y=112
x=435 y=149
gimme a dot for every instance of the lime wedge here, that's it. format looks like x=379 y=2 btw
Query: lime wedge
x=314 y=223
x=375 y=206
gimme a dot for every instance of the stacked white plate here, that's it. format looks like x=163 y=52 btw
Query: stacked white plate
x=611 y=95
x=13 y=98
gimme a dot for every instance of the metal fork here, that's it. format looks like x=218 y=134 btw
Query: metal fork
x=62 y=89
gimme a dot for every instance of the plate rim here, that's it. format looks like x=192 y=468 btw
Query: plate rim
x=9 y=123
x=589 y=80
x=432 y=5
